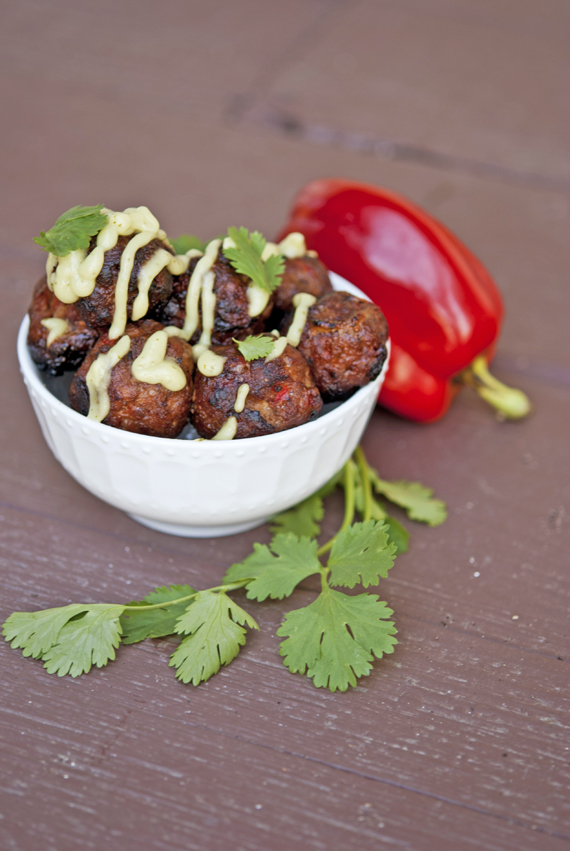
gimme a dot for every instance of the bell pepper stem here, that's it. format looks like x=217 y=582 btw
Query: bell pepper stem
x=510 y=403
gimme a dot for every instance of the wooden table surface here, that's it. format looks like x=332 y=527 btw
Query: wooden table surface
x=215 y=113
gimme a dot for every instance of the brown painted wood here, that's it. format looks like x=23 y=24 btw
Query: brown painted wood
x=458 y=739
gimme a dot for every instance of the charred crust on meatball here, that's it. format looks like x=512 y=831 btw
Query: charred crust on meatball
x=344 y=342
x=66 y=351
x=173 y=312
x=301 y=275
x=98 y=308
x=231 y=317
x=281 y=394
x=135 y=405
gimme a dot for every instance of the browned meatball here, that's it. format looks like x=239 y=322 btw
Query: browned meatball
x=302 y=275
x=281 y=394
x=98 y=308
x=344 y=342
x=174 y=311
x=67 y=350
x=135 y=405
x=231 y=317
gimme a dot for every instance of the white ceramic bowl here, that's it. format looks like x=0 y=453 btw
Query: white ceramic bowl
x=199 y=488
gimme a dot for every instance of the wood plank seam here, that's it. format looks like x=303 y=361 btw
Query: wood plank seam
x=287 y=124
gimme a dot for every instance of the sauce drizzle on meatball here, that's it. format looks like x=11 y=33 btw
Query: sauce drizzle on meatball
x=228 y=430
x=56 y=328
x=153 y=367
x=195 y=288
x=293 y=245
x=211 y=364
x=99 y=376
x=279 y=347
x=301 y=302
x=148 y=272
x=74 y=276
x=241 y=396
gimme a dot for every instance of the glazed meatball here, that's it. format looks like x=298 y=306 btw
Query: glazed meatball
x=98 y=308
x=136 y=405
x=281 y=394
x=344 y=342
x=231 y=317
x=66 y=350
x=302 y=275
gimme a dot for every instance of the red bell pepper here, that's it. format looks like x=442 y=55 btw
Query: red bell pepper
x=444 y=310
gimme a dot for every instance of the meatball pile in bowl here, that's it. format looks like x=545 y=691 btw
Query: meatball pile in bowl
x=239 y=338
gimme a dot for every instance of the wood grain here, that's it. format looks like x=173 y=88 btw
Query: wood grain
x=458 y=739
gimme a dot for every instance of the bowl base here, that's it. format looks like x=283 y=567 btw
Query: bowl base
x=184 y=531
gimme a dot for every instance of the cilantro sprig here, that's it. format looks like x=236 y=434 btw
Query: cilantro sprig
x=253 y=348
x=72 y=230
x=71 y=639
x=246 y=258
x=333 y=641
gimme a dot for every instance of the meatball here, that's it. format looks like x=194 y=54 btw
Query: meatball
x=70 y=338
x=302 y=275
x=136 y=405
x=98 y=308
x=231 y=318
x=344 y=342
x=281 y=394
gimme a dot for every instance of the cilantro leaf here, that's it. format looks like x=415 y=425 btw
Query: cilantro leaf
x=187 y=241
x=302 y=520
x=397 y=534
x=416 y=499
x=214 y=636
x=36 y=632
x=318 y=641
x=276 y=576
x=274 y=268
x=255 y=347
x=361 y=554
x=246 y=259
x=155 y=623
x=73 y=230
x=367 y=618
x=89 y=639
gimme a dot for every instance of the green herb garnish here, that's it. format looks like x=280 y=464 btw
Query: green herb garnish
x=276 y=570
x=246 y=259
x=334 y=640
x=155 y=623
x=73 y=230
x=255 y=347
x=69 y=639
x=417 y=500
x=213 y=626
x=304 y=519
x=318 y=642
x=187 y=241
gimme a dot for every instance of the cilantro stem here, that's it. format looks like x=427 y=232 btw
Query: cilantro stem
x=233 y=587
x=349 y=496
x=349 y=506
x=365 y=476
